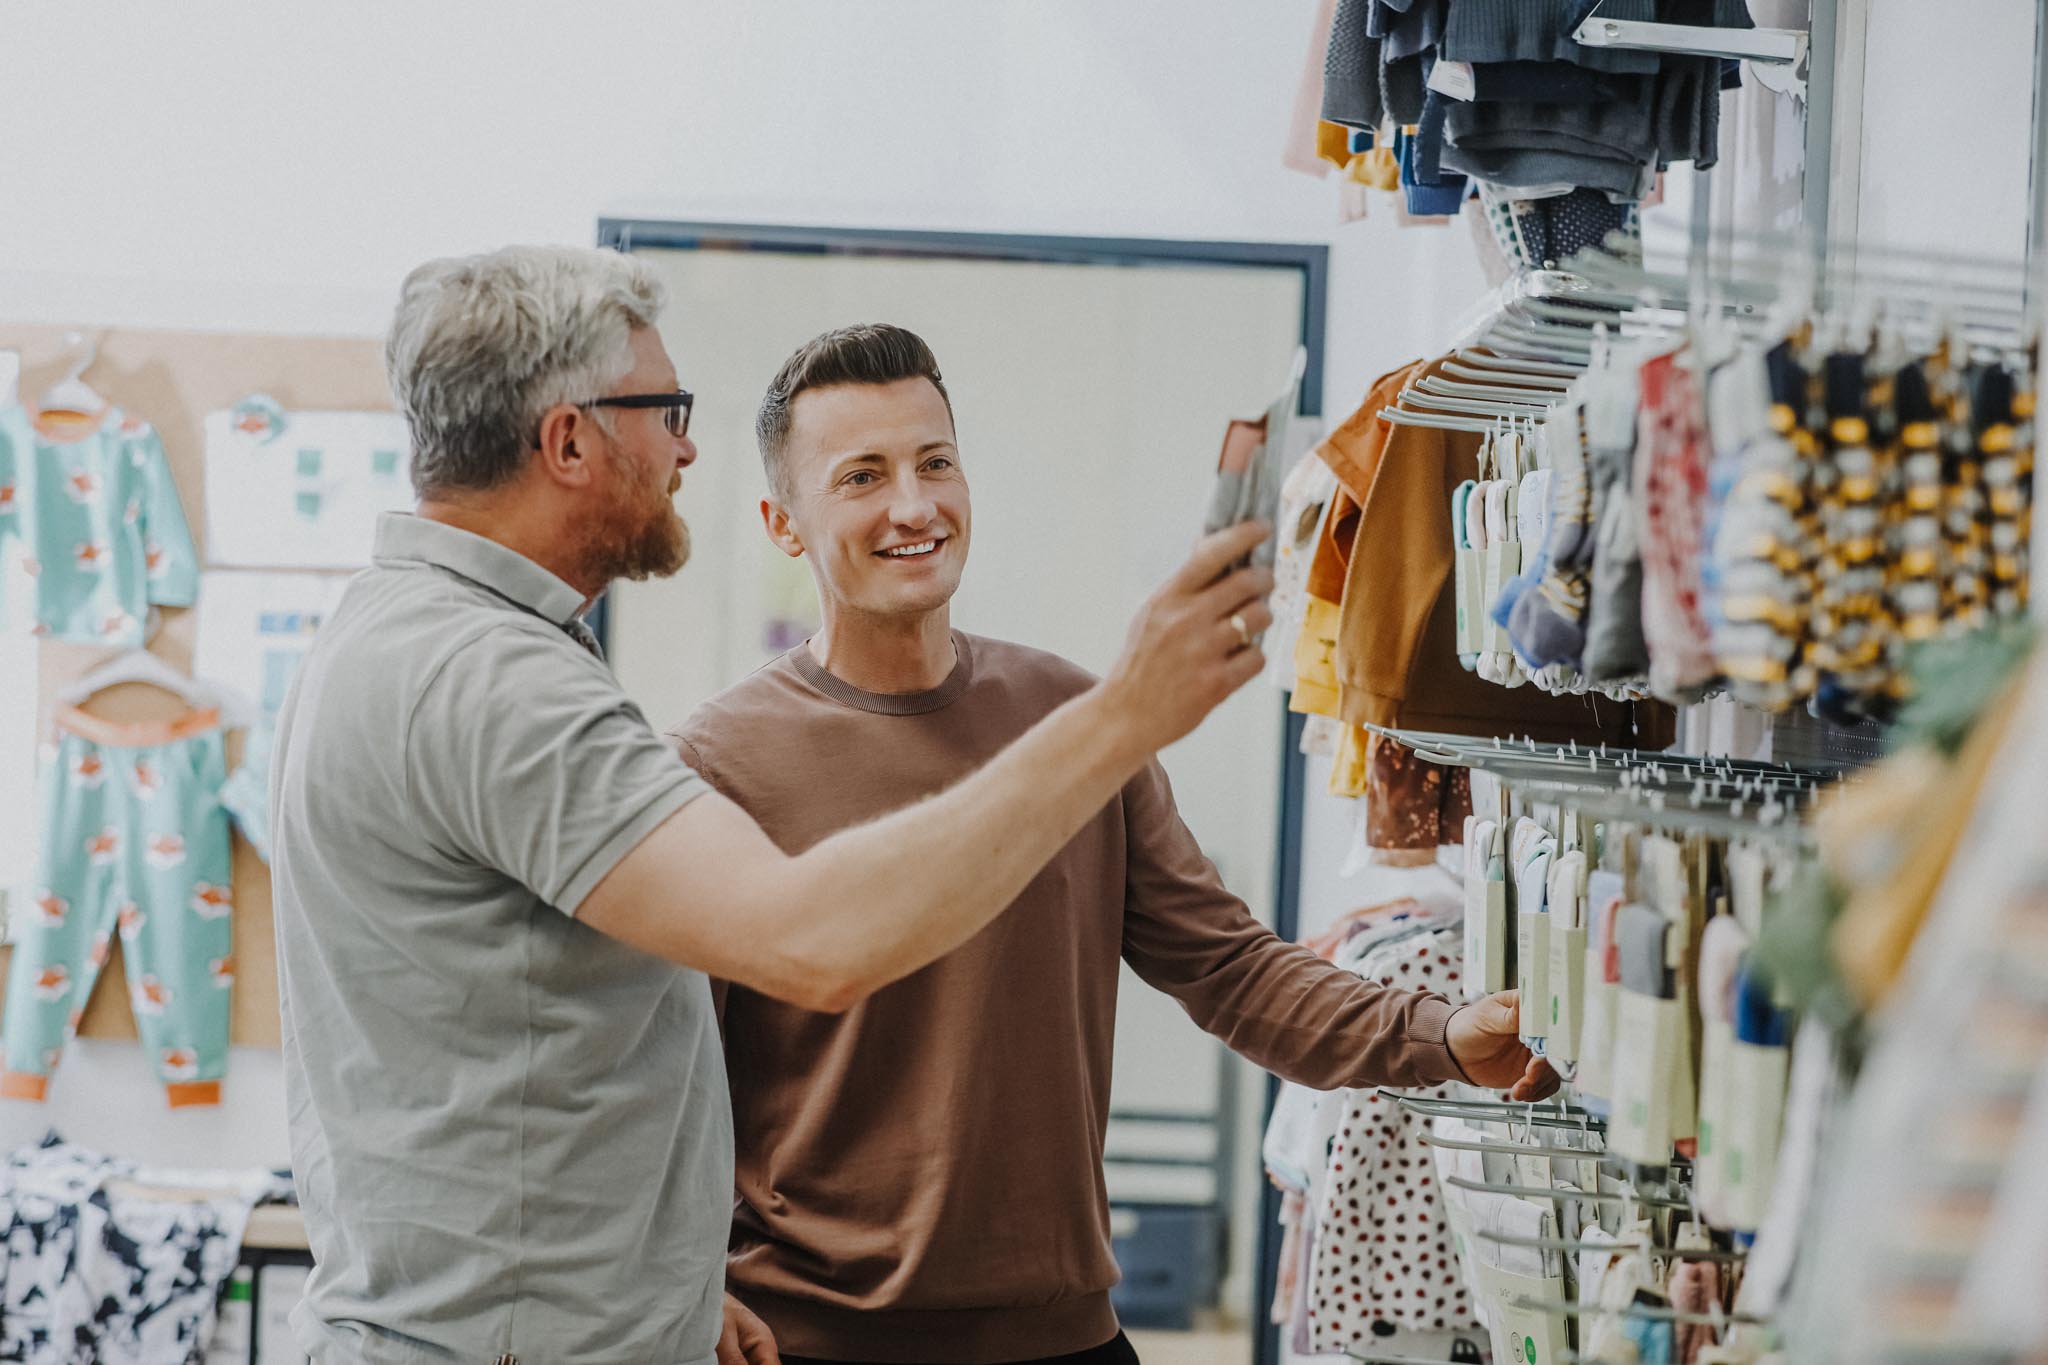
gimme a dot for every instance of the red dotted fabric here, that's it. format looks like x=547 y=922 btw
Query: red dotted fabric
x=1383 y=1249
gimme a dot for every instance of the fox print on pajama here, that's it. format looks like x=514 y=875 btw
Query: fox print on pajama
x=135 y=844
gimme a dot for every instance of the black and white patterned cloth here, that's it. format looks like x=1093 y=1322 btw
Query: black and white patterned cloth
x=97 y=1272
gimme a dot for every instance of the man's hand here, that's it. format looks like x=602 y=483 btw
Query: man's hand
x=1190 y=644
x=1483 y=1038
x=746 y=1339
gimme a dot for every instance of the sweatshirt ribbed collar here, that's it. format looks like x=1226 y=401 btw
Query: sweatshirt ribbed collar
x=888 y=703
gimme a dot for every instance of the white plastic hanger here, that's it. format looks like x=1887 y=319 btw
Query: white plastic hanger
x=141 y=666
x=72 y=393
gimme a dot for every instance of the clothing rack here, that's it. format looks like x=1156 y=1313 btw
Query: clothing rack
x=1551 y=1308
x=1778 y=46
x=1723 y=796
x=1572 y=1246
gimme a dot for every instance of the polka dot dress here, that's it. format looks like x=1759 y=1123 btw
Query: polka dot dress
x=1383 y=1250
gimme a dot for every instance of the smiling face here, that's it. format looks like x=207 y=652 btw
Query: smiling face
x=873 y=494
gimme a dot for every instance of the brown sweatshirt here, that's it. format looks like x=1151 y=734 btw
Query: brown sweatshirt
x=920 y=1178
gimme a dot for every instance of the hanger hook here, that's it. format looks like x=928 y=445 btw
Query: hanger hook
x=85 y=349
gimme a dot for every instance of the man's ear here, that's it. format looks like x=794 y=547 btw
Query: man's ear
x=775 y=518
x=568 y=437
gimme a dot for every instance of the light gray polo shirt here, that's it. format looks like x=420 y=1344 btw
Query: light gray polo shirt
x=510 y=1132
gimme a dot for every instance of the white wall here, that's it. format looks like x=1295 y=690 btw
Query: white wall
x=1939 y=174
x=218 y=164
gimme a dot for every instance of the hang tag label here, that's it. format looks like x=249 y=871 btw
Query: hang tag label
x=1486 y=932
x=1709 y=1171
x=1746 y=867
x=1454 y=80
x=1597 y=1022
x=1525 y=1334
x=1645 y=1057
x=1471 y=566
x=1532 y=974
x=1567 y=993
x=1749 y=1162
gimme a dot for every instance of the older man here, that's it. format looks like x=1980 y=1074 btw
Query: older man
x=498 y=892
x=920 y=1178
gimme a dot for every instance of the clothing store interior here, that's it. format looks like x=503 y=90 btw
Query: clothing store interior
x=1472 y=804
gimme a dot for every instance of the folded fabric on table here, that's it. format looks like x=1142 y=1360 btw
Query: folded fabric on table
x=97 y=1270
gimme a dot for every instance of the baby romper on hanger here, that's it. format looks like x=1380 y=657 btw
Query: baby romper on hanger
x=135 y=841
x=97 y=513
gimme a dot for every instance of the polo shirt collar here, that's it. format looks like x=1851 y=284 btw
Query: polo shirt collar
x=403 y=537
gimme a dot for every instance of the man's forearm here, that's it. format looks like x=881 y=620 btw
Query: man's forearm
x=912 y=886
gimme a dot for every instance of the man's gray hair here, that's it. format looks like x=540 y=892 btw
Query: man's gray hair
x=482 y=346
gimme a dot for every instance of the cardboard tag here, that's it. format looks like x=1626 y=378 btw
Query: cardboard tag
x=1709 y=1172
x=1749 y=1161
x=1681 y=1085
x=1645 y=1056
x=1597 y=1022
x=1567 y=992
x=1471 y=589
x=1461 y=563
x=1491 y=971
x=1476 y=604
x=1532 y=974
x=1524 y=1334
x=1746 y=867
x=1486 y=917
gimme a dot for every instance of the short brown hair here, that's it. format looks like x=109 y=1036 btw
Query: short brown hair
x=871 y=353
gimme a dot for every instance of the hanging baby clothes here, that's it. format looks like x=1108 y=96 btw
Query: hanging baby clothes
x=135 y=840
x=1670 y=497
x=97 y=514
x=1412 y=806
x=246 y=796
x=1383 y=1249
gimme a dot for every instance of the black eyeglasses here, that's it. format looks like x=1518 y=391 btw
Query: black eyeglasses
x=676 y=416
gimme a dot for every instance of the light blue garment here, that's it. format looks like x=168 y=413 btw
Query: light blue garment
x=97 y=512
x=247 y=791
x=134 y=843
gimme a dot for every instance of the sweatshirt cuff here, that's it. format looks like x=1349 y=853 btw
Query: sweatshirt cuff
x=1428 y=1032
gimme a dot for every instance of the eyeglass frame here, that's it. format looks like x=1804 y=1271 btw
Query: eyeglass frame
x=680 y=399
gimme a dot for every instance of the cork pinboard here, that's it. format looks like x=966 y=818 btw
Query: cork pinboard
x=173 y=380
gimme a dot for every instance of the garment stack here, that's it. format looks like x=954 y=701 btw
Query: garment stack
x=1367 y=593
x=1440 y=101
x=1782 y=523
x=112 y=1263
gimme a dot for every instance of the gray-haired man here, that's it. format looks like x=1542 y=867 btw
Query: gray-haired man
x=498 y=892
